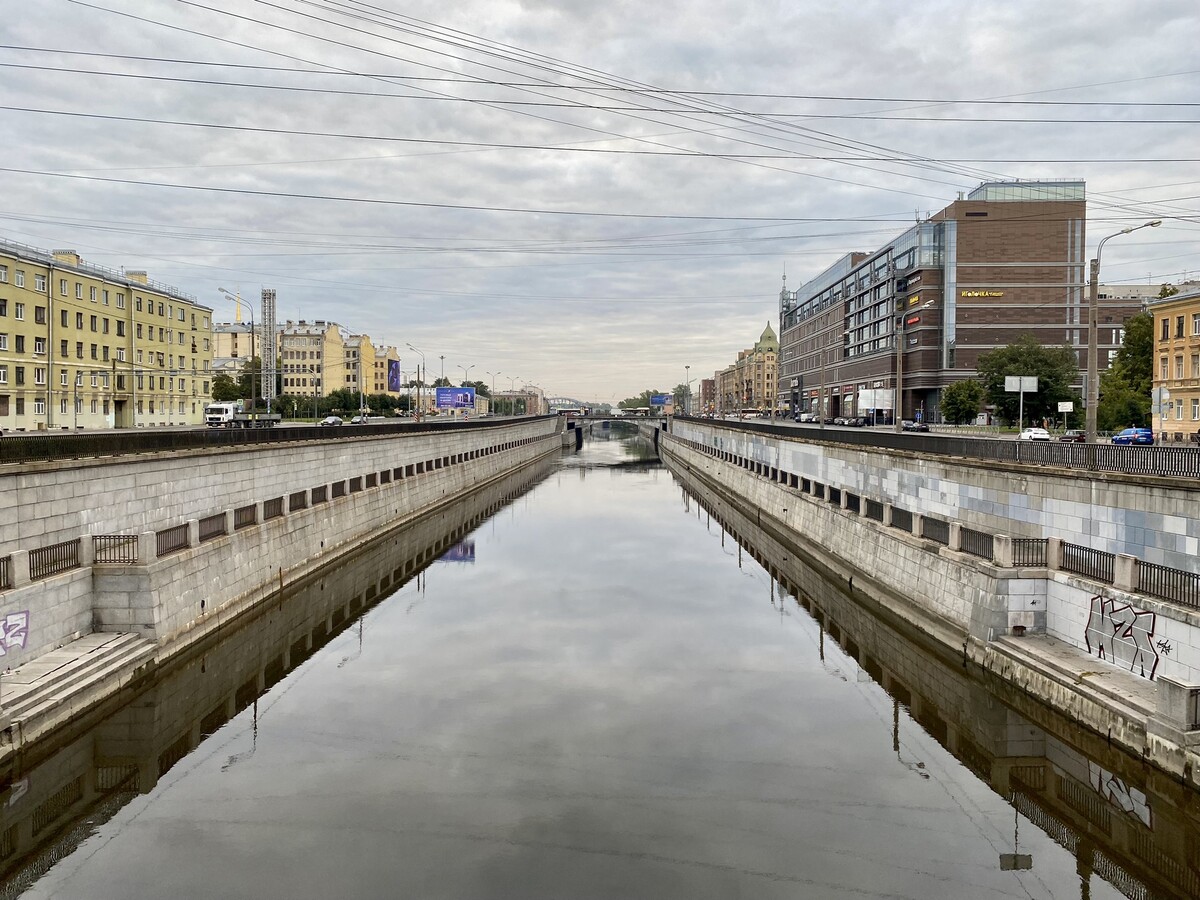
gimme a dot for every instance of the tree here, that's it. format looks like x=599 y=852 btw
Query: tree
x=1054 y=367
x=960 y=401
x=681 y=394
x=638 y=402
x=225 y=389
x=1125 y=387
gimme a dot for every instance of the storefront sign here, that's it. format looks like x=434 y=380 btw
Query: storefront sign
x=982 y=294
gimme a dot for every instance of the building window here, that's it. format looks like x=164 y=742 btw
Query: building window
x=19 y=311
x=1179 y=410
x=94 y=322
x=20 y=343
x=62 y=405
x=39 y=375
x=79 y=292
x=92 y=293
x=120 y=327
x=95 y=352
x=120 y=300
x=39 y=315
x=1179 y=367
x=1179 y=326
x=3 y=341
x=1196 y=409
x=64 y=349
x=19 y=372
x=20 y=278
x=1165 y=331
x=62 y=377
x=1162 y=367
x=3 y=374
x=79 y=349
x=39 y=406
x=3 y=274
x=39 y=346
x=104 y=325
x=62 y=318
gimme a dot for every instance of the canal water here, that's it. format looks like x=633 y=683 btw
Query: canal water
x=588 y=682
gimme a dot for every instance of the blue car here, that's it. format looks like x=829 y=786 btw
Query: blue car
x=1134 y=436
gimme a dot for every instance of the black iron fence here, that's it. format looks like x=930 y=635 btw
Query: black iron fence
x=297 y=500
x=902 y=519
x=935 y=530
x=171 y=540
x=1168 y=461
x=874 y=510
x=212 y=527
x=1087 y=561
x=115 y=548
x=47 y=561
x=977 y=543
x=273 y=508
x=17 y=448
x=5 y=572
x=245 y=516
x=1169 y=584
x=320 y=494
x=1029 y=552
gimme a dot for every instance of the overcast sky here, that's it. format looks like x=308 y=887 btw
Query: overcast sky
x=585 y=196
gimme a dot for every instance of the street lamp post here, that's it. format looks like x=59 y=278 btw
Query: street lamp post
x=466 y=369
x=493 y=374
x=687 y=397
x=1093 y=372
x=422 y=355
x=236 y=298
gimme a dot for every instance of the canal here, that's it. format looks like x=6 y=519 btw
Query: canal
x=587 y=682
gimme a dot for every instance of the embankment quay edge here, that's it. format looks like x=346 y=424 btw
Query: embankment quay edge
x=130 y=562
x=1091 y=646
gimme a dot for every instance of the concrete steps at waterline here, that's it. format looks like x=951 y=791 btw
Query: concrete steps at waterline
x=50 y=689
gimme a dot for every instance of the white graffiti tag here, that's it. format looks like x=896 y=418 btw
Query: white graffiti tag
x=14 y=630
x=1120 y=794
x=1123 y=636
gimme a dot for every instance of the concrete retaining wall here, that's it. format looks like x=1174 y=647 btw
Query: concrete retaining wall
x=1153 y=519
x=384 y=481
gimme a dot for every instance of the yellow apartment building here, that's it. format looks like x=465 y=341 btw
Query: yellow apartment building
x=387 y=360
x=83 y=346
x=312 y=358
x=1177 y=366
x=749 y=382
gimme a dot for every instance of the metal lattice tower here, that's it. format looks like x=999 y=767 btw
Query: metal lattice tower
x=270 y=344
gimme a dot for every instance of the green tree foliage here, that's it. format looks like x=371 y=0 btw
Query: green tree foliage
x=681 y=394
x=1125 y=387
x=960 y=401
x=225 y=389
x=1054 y=367
x=637 y=402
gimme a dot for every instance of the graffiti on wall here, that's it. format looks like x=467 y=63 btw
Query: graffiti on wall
x=1117 y=792
x=1122 y=635
x=14 y=630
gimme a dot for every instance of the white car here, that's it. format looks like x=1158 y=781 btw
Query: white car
x=1034 y=434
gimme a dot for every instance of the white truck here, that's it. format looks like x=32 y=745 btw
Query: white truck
x=233 y=415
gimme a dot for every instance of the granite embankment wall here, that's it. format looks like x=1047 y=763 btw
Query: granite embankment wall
x=964 y=602
x=204 y=535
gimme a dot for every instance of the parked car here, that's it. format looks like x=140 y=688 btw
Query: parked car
x=910 y=425
x=330 y=420
x=1073 y=436
x=1134 y=436
x=1034 y=434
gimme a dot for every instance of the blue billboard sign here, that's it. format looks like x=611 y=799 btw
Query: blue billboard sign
x=394 y=375
x=661 y=400
x=455 y=398
x=463 y=551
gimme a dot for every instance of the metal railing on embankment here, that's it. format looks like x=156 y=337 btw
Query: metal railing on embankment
x=50 y=445
x=1123 y=571
x=1165 y=461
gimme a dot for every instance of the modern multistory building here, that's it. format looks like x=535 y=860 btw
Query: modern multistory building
x=913 y=316
x=1176 y=366
x=84 y=346
x=749 y=381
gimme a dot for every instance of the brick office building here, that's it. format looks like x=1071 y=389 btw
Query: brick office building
x=1004 y=261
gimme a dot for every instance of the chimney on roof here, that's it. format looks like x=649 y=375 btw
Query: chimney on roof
x=137 y=275
x=70 y=257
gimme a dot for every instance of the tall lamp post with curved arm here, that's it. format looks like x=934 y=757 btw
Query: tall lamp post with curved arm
x=466 y=369
x=422 y=355
x=237 y=298
x=1093 y=369
x=491 y=400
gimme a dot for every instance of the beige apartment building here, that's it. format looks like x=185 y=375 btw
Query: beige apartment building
x=388 y=378
x=84 y=346
x=1176 y=406
x=749 y=382
x=312 y=357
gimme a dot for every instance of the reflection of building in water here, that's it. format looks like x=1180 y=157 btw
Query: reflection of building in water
x=56 y=796
x=1132 y=826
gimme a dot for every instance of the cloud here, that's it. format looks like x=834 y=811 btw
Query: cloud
x=684 y=266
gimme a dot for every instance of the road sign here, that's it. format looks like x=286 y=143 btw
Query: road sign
x=1025 y=384
x=1066 y=406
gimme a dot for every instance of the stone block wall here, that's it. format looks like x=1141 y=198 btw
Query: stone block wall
x=1153 y=519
